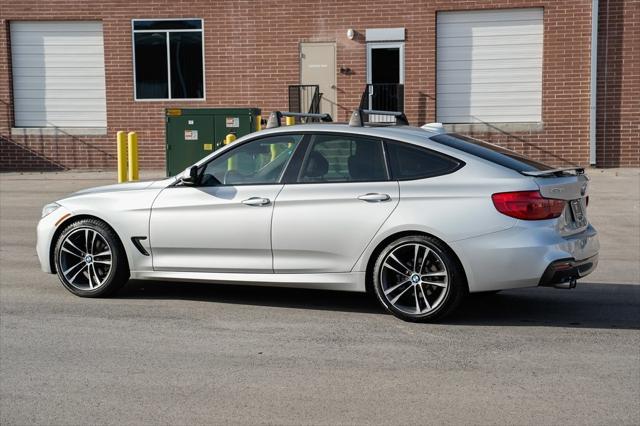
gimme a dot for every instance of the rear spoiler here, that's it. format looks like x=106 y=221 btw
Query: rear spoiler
x=556 y=172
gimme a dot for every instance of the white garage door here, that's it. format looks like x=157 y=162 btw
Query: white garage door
x=58 y=74
x=489 y=66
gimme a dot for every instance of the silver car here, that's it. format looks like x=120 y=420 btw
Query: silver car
x=417 y=216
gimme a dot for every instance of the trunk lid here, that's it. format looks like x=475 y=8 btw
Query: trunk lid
x=574 y=189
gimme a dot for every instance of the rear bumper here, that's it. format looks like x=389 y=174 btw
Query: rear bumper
x=520 y=257
x=564 y=272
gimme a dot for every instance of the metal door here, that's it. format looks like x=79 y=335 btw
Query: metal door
x=318 y=66
x=189 y=138
x=385 y=77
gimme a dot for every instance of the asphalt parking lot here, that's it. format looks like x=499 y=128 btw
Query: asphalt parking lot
x=163 y=353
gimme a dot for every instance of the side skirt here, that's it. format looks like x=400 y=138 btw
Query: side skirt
x=348 y=281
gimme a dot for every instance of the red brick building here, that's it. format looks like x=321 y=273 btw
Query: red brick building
x=516 y=72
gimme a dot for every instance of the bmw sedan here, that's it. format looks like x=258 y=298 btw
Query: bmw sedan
x=417 y=216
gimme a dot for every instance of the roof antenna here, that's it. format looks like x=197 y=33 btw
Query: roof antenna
x=434 y=127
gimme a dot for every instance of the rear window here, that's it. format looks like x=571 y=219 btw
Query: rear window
x=490 y=152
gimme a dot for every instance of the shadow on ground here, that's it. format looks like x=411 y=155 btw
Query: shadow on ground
x=614 y=306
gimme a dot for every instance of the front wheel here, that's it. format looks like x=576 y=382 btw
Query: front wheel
x=90 y=260
x=416 y=278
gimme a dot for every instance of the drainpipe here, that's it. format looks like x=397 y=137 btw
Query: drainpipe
x=594 y=82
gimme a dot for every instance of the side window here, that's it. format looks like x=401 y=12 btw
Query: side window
x=261 y=161
x=413 y=162
x=343 y=158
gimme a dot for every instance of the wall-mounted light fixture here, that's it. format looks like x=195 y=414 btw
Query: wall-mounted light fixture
x=346 y=71
x=351 y=33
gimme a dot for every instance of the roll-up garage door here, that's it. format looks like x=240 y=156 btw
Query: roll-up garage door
x=58 y=74
x=489 y=66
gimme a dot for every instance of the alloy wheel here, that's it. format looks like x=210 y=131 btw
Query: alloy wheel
x=85 y=259
x=414 y=279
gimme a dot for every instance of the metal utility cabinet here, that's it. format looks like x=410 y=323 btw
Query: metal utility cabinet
x=192 y=134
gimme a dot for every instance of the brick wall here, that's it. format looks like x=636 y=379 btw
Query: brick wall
x=251 y=55
x=618 y=93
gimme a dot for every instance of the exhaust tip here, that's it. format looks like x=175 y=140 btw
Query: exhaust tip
x=567 y=285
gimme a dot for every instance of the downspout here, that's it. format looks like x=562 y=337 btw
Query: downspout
x=594 y=82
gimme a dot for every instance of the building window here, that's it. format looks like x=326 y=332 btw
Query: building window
x=168 y=59
x=489 y=66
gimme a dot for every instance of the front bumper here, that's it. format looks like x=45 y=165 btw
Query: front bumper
x=45 y=232
x=564 y=273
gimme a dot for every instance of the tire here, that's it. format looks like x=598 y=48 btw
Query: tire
x=90 y=259
x=438 y=289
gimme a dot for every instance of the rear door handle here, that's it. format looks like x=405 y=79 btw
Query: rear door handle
x=256 y=201
x=373 y=197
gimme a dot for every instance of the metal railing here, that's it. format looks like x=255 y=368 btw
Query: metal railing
x=305 y=98
x=383 y=97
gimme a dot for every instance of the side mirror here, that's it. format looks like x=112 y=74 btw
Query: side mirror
x=190 y=175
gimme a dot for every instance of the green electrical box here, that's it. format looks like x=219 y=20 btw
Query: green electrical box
x=196 y=132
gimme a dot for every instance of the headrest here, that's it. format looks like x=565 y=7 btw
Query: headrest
x=317 y=165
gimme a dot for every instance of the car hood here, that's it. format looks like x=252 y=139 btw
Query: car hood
x=128 y=186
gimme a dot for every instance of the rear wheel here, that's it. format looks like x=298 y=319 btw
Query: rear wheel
x=417 y=279
x=90 y=260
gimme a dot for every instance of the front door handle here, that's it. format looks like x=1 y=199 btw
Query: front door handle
x=374 y=197
x=256 y=201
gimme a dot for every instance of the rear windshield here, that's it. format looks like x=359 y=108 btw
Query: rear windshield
x=490 y=152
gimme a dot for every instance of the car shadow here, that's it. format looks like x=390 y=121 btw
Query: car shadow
x=252 y=295
x=590 y=305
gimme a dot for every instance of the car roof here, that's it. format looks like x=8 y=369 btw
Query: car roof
x=401 y=133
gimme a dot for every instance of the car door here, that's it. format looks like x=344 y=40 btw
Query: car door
x=223 y=223
x=327 y=213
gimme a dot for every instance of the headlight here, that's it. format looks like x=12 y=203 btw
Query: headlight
x=49 y=208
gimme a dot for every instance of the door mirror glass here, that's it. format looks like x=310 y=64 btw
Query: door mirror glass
x=190 y=175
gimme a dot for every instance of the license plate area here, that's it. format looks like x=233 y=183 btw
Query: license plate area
x=577 y=213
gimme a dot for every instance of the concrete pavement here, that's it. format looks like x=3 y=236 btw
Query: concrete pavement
x=163 y=353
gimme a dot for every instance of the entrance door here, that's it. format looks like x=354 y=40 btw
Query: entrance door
x=385 y=72
x=318 y=66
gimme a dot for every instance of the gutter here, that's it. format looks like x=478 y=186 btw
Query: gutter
x=594 y=82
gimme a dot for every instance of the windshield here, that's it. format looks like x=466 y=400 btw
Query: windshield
x=491 y=152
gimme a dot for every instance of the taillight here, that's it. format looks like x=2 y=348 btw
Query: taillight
x=527 y=205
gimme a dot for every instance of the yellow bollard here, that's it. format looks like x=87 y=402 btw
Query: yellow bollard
x=229 y=138
x=133 y=156
x=290 y=121
x=231 y=162
x=258 y=123
x=121 y=149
